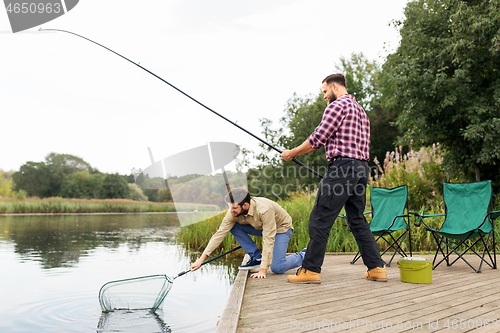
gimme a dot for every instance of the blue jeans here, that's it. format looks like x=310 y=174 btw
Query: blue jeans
x=281 y=262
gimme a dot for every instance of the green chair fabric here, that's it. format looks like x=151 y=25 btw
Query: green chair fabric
x=388 y=216
x=466 y=218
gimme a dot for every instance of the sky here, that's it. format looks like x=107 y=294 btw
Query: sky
x=243 y=59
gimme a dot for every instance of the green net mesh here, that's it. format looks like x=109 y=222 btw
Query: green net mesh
x=142 y=293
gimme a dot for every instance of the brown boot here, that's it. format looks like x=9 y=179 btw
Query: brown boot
x=377 y=274
x=304 y=276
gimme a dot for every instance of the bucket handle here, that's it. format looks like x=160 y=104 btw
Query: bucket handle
x=414 y=268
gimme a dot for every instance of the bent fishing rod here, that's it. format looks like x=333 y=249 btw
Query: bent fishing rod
x=188 y=96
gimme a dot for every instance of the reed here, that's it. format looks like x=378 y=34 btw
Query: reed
x=196 y=236
x=420 y=170
x=55 y=205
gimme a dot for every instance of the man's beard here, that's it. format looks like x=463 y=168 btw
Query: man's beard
x=330 y=99
x=243 y=212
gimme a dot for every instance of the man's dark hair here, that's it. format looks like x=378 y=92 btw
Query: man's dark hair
x=238 y=195
x=337 y=78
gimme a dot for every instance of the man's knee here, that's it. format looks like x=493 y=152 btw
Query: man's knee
x=277 y=269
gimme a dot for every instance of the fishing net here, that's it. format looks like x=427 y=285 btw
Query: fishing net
x=141 y=293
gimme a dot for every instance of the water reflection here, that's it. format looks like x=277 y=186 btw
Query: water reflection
x=54 y=266
x=61 y=240
x=141 y=321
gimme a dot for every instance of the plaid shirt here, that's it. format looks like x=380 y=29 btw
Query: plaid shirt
x=344 y=130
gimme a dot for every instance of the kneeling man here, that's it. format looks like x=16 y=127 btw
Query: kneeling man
x=258 y=217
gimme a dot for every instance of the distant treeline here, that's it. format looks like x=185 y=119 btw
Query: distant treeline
x=69 y=176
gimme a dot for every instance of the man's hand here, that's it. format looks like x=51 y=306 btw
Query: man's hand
x=259 y=275
x=287 y=155
x=196 y=265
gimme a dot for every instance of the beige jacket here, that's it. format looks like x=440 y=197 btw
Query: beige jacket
x=263 y=214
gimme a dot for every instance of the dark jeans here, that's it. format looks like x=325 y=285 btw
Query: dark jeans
x=343 y=185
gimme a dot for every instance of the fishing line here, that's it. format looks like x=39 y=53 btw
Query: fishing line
x=188 y=96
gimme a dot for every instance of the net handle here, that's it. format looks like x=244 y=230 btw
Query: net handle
x=207 y=261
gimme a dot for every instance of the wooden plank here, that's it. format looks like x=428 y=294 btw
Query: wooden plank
x=228 y=322
x=273 y=304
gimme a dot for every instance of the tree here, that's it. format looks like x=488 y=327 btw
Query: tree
x=114 y=186
x=34 y=178
x=61 y=165
x=136 y=192
x=45 y=179
x=6 y=185
x=81 y=185
x=74 y=185
x=446 y=84
x=368 y=84
x=274 y=178
x=94 y=183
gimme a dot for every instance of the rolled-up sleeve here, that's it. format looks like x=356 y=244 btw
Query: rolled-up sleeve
x=226 y=226
x=268 y=236
x=329 y=125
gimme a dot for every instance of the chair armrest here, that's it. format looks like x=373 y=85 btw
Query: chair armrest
x=394 y=220
x=343 y=216
x=494 y=215
x=421 y=218
x=418 y=217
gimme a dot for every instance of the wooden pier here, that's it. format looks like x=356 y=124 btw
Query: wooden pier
x=458 y=300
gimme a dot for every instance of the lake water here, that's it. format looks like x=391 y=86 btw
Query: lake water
x=52 y=268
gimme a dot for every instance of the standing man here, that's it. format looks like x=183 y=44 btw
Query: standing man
x=345 y=132
x=258 y=217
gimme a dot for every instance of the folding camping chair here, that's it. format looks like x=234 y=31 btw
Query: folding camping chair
x=466 y=219
x=388 y=216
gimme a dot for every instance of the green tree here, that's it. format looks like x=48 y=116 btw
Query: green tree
x=94 y=183
x=274 y=178
x=61 y=165
x=81 y=185
x=114 y=186
x=74 y=185
x=368 y=84
x=45 y=179
x=34 y=178
x=446 y=84
x=6 y=185
x=136 y=192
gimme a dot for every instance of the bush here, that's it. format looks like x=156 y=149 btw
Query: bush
x=136 y=193
x=421 y=171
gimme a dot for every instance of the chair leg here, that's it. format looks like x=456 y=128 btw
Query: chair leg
x=485 y=250
x=395 y=245
x=438 y=242
x=460 y=256
x=356 y=258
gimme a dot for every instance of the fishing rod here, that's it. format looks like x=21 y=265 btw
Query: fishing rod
x=188 y=96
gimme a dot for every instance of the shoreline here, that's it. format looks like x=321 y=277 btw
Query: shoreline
x=96 y=213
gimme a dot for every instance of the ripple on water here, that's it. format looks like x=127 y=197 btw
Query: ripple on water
x=81 y=313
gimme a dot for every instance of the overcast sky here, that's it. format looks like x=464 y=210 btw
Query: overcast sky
x=244 y=59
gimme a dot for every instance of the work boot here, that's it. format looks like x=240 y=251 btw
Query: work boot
x=304 y=276
x=377 y=274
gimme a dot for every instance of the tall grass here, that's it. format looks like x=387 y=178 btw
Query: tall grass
x=57 y=205
x=420 y=170
x=196 y=236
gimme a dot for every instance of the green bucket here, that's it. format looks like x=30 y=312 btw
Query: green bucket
x=415 y=270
